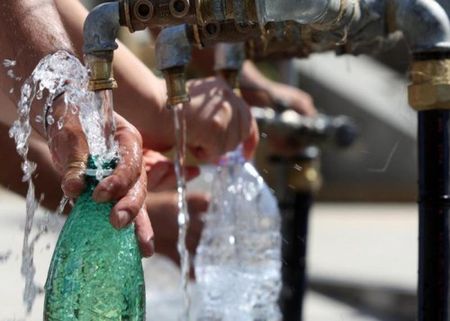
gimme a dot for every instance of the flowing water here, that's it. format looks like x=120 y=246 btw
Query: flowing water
x=183 y=215
x=55 y=74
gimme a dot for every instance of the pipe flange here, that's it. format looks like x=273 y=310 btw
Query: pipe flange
x=143 y=10
x=179 y=8
x=125 y=4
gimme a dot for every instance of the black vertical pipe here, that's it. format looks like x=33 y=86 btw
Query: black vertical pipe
x=434 y=205
x=295 y=219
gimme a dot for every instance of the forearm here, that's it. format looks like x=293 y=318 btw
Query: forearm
x=31 y=30
x=140 y=97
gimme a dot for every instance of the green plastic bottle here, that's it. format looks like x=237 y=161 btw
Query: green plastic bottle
x=96 y=271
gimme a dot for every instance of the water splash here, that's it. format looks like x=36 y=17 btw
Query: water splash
x=55 y=74
x=183 y=215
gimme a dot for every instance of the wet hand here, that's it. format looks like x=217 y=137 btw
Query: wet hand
x=161 y=172
x=163 y=211
x=127 y=185
x=217 y=120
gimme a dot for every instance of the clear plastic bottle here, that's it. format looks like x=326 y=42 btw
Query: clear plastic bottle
x=239 y=256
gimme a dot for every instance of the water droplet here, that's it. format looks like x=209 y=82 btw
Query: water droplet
x=60 y=123
x=39 y=95
x=11 y=74
x=8 y=63
x=50 y=120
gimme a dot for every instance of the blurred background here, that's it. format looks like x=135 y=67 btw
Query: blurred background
x=362 y=240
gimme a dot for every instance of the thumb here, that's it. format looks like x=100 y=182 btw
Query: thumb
x=73 y=179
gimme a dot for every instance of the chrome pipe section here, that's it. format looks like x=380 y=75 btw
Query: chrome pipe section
x=322 y=13
x=424 y=23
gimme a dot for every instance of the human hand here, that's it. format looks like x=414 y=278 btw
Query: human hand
x=161 y=172
x=275 y=94
x=163 y=211
x=127 y=184
x=217 y=120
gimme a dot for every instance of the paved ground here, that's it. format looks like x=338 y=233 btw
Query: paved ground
x=361 y=243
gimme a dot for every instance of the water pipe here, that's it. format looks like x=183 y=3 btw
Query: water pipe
x=100 y=33
x=173 y=52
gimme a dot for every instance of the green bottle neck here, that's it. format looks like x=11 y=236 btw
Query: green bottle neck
x=91 y=177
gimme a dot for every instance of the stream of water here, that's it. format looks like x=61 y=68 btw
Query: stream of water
x=55 y=74
x=183 y=215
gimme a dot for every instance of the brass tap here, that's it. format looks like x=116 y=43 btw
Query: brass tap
x=176 y=86
x=430 y=88
x=101 y=71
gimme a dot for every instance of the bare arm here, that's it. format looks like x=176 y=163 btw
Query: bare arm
x=146 y=109
x=31 y=29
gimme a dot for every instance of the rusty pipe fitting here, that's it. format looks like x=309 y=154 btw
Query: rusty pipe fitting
x=430 y=88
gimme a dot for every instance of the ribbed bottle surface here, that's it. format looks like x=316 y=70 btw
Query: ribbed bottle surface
x=96 y=272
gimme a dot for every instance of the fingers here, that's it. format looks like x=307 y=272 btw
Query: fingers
x=303 y=103
x=162 y=176
x=127 y=172
x=128 y=207
x=218 y=120
x=69 y=151
x=161 y=172
x=250 y=144
x=144 y=233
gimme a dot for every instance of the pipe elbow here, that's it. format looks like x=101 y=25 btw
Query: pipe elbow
x=424 y=23
x=173 y=48
x=100 y=29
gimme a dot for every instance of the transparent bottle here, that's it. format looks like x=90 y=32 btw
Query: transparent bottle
x=238 y=260
x=96 y=272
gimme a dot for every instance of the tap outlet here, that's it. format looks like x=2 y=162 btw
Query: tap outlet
x=176 y=86
x=100 y=72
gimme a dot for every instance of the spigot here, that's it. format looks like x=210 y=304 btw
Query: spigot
x=173 y=52
x=100 y=33
x=100 y=71
x=229 y=58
